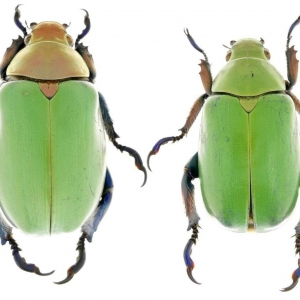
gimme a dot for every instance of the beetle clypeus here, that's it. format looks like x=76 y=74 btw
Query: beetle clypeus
x=248 y=156
x=53 y=174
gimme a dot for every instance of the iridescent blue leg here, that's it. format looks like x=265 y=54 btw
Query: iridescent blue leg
x=190 y=173
x=90 y=226
x=6 y=236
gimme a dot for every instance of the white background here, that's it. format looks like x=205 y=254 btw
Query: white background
x=148 y=73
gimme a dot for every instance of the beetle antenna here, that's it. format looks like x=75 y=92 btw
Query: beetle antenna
x=17 y=20
x=193 y=43
x=85 y=31
x=66 y=25
x=27 y=25
x=226 y=46
x=290 y=31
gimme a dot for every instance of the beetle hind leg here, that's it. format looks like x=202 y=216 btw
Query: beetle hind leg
x=21 y=262
x=190 y=173
x=6 y=236
x=296 y=273
x=90 y=226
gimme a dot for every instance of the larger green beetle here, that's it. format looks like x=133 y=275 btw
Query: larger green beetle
x=248 y=158
x=53 y=174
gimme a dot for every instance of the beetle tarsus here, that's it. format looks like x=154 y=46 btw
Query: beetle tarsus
x=291 y=30
x=193 y=43
x=163 y=141
x=21 y=262
x=292 y=61
x=17 y=20
x=295 y=275
x=137 y=159
x=86 y=30
x=79 y=261
x=187 y=254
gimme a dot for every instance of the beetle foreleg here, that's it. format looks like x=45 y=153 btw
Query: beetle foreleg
x=193 y=43
x=88 y=59
x=109 y=127
x=292 y=61
x=17 y=20
x=90 y=226
x=87 y=23
x=184 y=130
x=190 y=173
x=10 y=53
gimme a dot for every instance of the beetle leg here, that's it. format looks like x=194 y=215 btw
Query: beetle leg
x=17 y=20
x=205 y=72
x=193 y=43
x=21 y=262
x=109 y=128
x=184 y=130
x=79 y=261
x=292 y=61
x=90 y=226
x=88 y=59
x=85 y=31
x=190 y=173
x=6 y=236
x=296 y=273
x=10 y=53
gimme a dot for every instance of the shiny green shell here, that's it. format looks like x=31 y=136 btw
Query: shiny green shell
x=52 y=155
x=248 y=149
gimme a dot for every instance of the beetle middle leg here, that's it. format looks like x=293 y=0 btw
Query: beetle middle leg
x=90 y=226
x=6 y=236
x=296 y=273
x=109 y=128
x=190 y=173
x=184 y=130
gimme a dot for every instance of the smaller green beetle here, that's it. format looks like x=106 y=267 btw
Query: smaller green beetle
x=53 y=174
x=248 y=158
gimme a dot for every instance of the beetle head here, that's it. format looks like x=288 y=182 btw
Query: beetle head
x=247 y=48
x=48 y=32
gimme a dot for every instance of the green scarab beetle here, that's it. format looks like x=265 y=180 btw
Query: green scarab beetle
x=248 y=158
x=53 y=173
